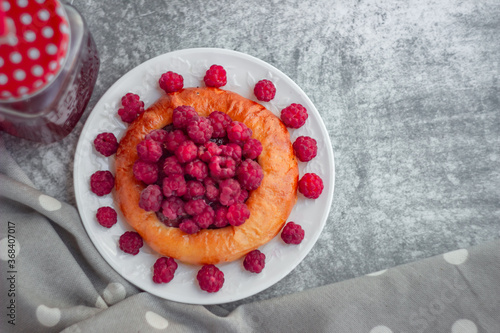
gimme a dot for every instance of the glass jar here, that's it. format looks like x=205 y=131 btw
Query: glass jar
x=49 y=110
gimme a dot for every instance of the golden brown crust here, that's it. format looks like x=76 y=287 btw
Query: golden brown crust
x=270 y=205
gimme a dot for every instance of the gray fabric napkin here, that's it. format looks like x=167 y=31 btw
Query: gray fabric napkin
x=53 y=279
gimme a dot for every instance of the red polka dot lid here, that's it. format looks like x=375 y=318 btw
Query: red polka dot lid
x=34 y=41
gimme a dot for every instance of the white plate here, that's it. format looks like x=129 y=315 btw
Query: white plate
x=243 y=72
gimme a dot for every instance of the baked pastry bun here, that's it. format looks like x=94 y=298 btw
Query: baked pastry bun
x=269 y=205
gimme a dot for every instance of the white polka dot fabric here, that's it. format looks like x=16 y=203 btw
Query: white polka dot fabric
x=66 y=286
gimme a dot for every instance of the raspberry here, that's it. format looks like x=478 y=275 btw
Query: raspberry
x=174 y=139
x=231 y=150
x=200 y=130
x=174 y=185
x=146 y=172
x=171 y=82
x=195 y=190
x=210 y=278
x=130 y=242
x=106 y=216
x=151 y=198
x=197 y=169
x=174 y=223
x=182 y=115
x=132 y=107
x=102 y=182
x=164 y=269
x=254 y=261
x=252 y=149
x=133 y=101
x=229 y=191
x=249 y=174
x=294 y=115
x=189 y=226
x=206 y=218
x=238 y=132
x=222 y=167
x=292 y=233
x=171 y=165
x=264 y=90
x=220 y=218
x=311 y=185
x=219 y=121
x=195 y=207
x=215 y=76
x=208 y=150
x=186 y=151
x=173 y=208
x=237 y=214
x=211 y=190
x=106 y=144
x=305 y=148
x=149 y=150
x=159 y=135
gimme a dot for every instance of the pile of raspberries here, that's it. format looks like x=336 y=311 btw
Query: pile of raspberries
x=198 y=171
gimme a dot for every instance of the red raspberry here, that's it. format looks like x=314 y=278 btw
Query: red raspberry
x=174 y=139
x=106 y=144
x=292 y=233
x=102 y=182
x=211 y=189
x=208 y=150
x=197 y=169
x=132 y=107
x=130 y=242
x=249 y=174
x=200 y=130
x=182 y=115
x=195 y=190
x=159 y=135
x=255 y=261
x=264 y=90
x=311 y=185
x=229 y=191
x=149 y=150
x=231 y=150
x=219 y=121
x=195 y=207
x=237 y=214
x=146 y=172
x=252 y=149
x=305 y=148
x=220 y=218
x=134 y=102
x=238 y=132
x=164 y=269
x=186 y=151
x=173 y=208
x=210 y=278
x=106 y=216
x=171 y=82
x=171 y=165
x=294 y=115
x=222 y=167
x=189 y=226
x=151 y=198
x=206 y=218
x=174 y=185
x=215 y=76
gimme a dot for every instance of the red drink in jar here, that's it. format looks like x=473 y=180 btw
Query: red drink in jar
x=48 y=68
